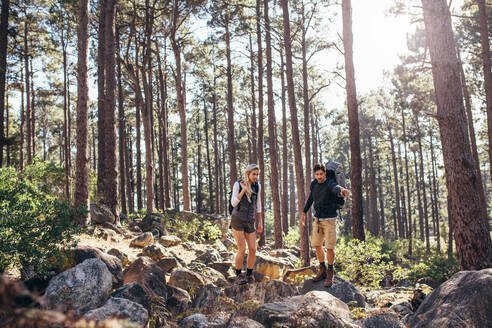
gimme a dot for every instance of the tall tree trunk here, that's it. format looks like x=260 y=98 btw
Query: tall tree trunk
x=398 y=228
x=230 y=107
x=450 y=232
x=147 y=111
x=181 y=108
x=82 y=156
x=22 y=122
x=129 y=172
x=285 y=194
x=4 y=24
x=424 y=188
x=373 y=193
x=314 y=133
x=66 y=115
x=121 y=131
x=353 y=117
x=301 y=196
x=209 y=166
x=305 y=101
x=402 y=193
x=260 y=147
x=292 y=193
x=272 y=136
x=199 y=200
x=109 y=135
x=28 y=96
x=101 y=91
x=473 y=140
x=7 y=127
x=435 y=193
x=33 y=116
x=419 y=201
x=407 y=179
x=473 y=243
x=163 y=123
x=138 y=123
x=216 y=148
x=487 y=75
x=254 y=133
x=381 y=199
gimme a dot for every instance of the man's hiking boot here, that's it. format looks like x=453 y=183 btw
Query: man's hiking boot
x=241 y=279
x=321 y=274
x=330 y=274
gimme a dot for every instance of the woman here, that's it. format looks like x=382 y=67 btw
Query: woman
x=246 y=201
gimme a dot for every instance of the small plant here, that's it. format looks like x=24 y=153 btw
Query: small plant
x=291 y=239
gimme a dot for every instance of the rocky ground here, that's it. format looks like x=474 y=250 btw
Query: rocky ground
x=144 y=275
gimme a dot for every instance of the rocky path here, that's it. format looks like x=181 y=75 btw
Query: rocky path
x=148 y=277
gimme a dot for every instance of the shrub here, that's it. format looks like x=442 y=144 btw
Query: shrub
x=438 y=268
x=362 y=262
x=195 y=230
x=292 y=237
x=34 y=225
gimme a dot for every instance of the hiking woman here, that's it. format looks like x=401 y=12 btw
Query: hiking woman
x=246 y=201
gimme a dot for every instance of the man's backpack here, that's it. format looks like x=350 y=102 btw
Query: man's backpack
x=336 y=169
x=255 y=187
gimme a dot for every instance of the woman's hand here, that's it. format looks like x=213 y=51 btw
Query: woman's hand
x=260 y=227
x=243 y=184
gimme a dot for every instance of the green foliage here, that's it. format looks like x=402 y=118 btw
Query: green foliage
x=438 y=267
x=292 y=237
x=362 y=262
x=34 y=225
x=194 y=230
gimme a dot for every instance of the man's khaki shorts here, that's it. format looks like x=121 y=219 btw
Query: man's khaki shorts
x=327 y=232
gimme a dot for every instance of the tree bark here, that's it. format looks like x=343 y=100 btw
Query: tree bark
x=230 y=107
x=22 y=122
x=301 y=196
x=407 y=179
x=4 y=24
x=101 y=90
x=472 y=238
x=254 y=132
x=285 y=194
x=487 y=75
x=121 y=131
x=216 y=147
x=398 y=228
x=260 y=146
x=28 y=96
x=373 y=192
x=435 y=193
x=354 y=135
x=82 y=156
x=181 y=109
x=419 y=201
x=109 y=133
x=292 y=194
x=424 y=189
x=66 y=115
x=473 y=140
x=272 y=136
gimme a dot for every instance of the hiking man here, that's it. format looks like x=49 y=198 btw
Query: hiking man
x=326 y=195
x=246 y=204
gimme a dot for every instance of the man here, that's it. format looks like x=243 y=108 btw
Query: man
x=326 y=195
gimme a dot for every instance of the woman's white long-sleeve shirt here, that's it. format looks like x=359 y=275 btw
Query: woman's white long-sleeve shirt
x=235 y=200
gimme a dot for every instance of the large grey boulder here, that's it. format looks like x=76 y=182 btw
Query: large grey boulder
x=121 y=308
x=155 y=252
x=135 y=293
x=147 y=274
x=312 y=310
x=186 y=279
x=178 y=300
x=218 y=320
x=143 y=240
x=269 y=291
x=341 y=289
x=81 y=288
x=387 y=319
x=80 y=254
x=101 y=213
x=465 y=300
x=169 y=240
x=271 y=266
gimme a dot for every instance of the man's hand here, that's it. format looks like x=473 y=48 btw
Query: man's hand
x=303 y=219
x=345 y=193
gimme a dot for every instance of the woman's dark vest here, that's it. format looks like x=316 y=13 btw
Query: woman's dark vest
x=247 y=210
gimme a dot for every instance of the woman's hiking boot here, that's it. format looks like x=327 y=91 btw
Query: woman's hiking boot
x=250 y=278
x=241 y=279
x=330 y=274
x=321 y=274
